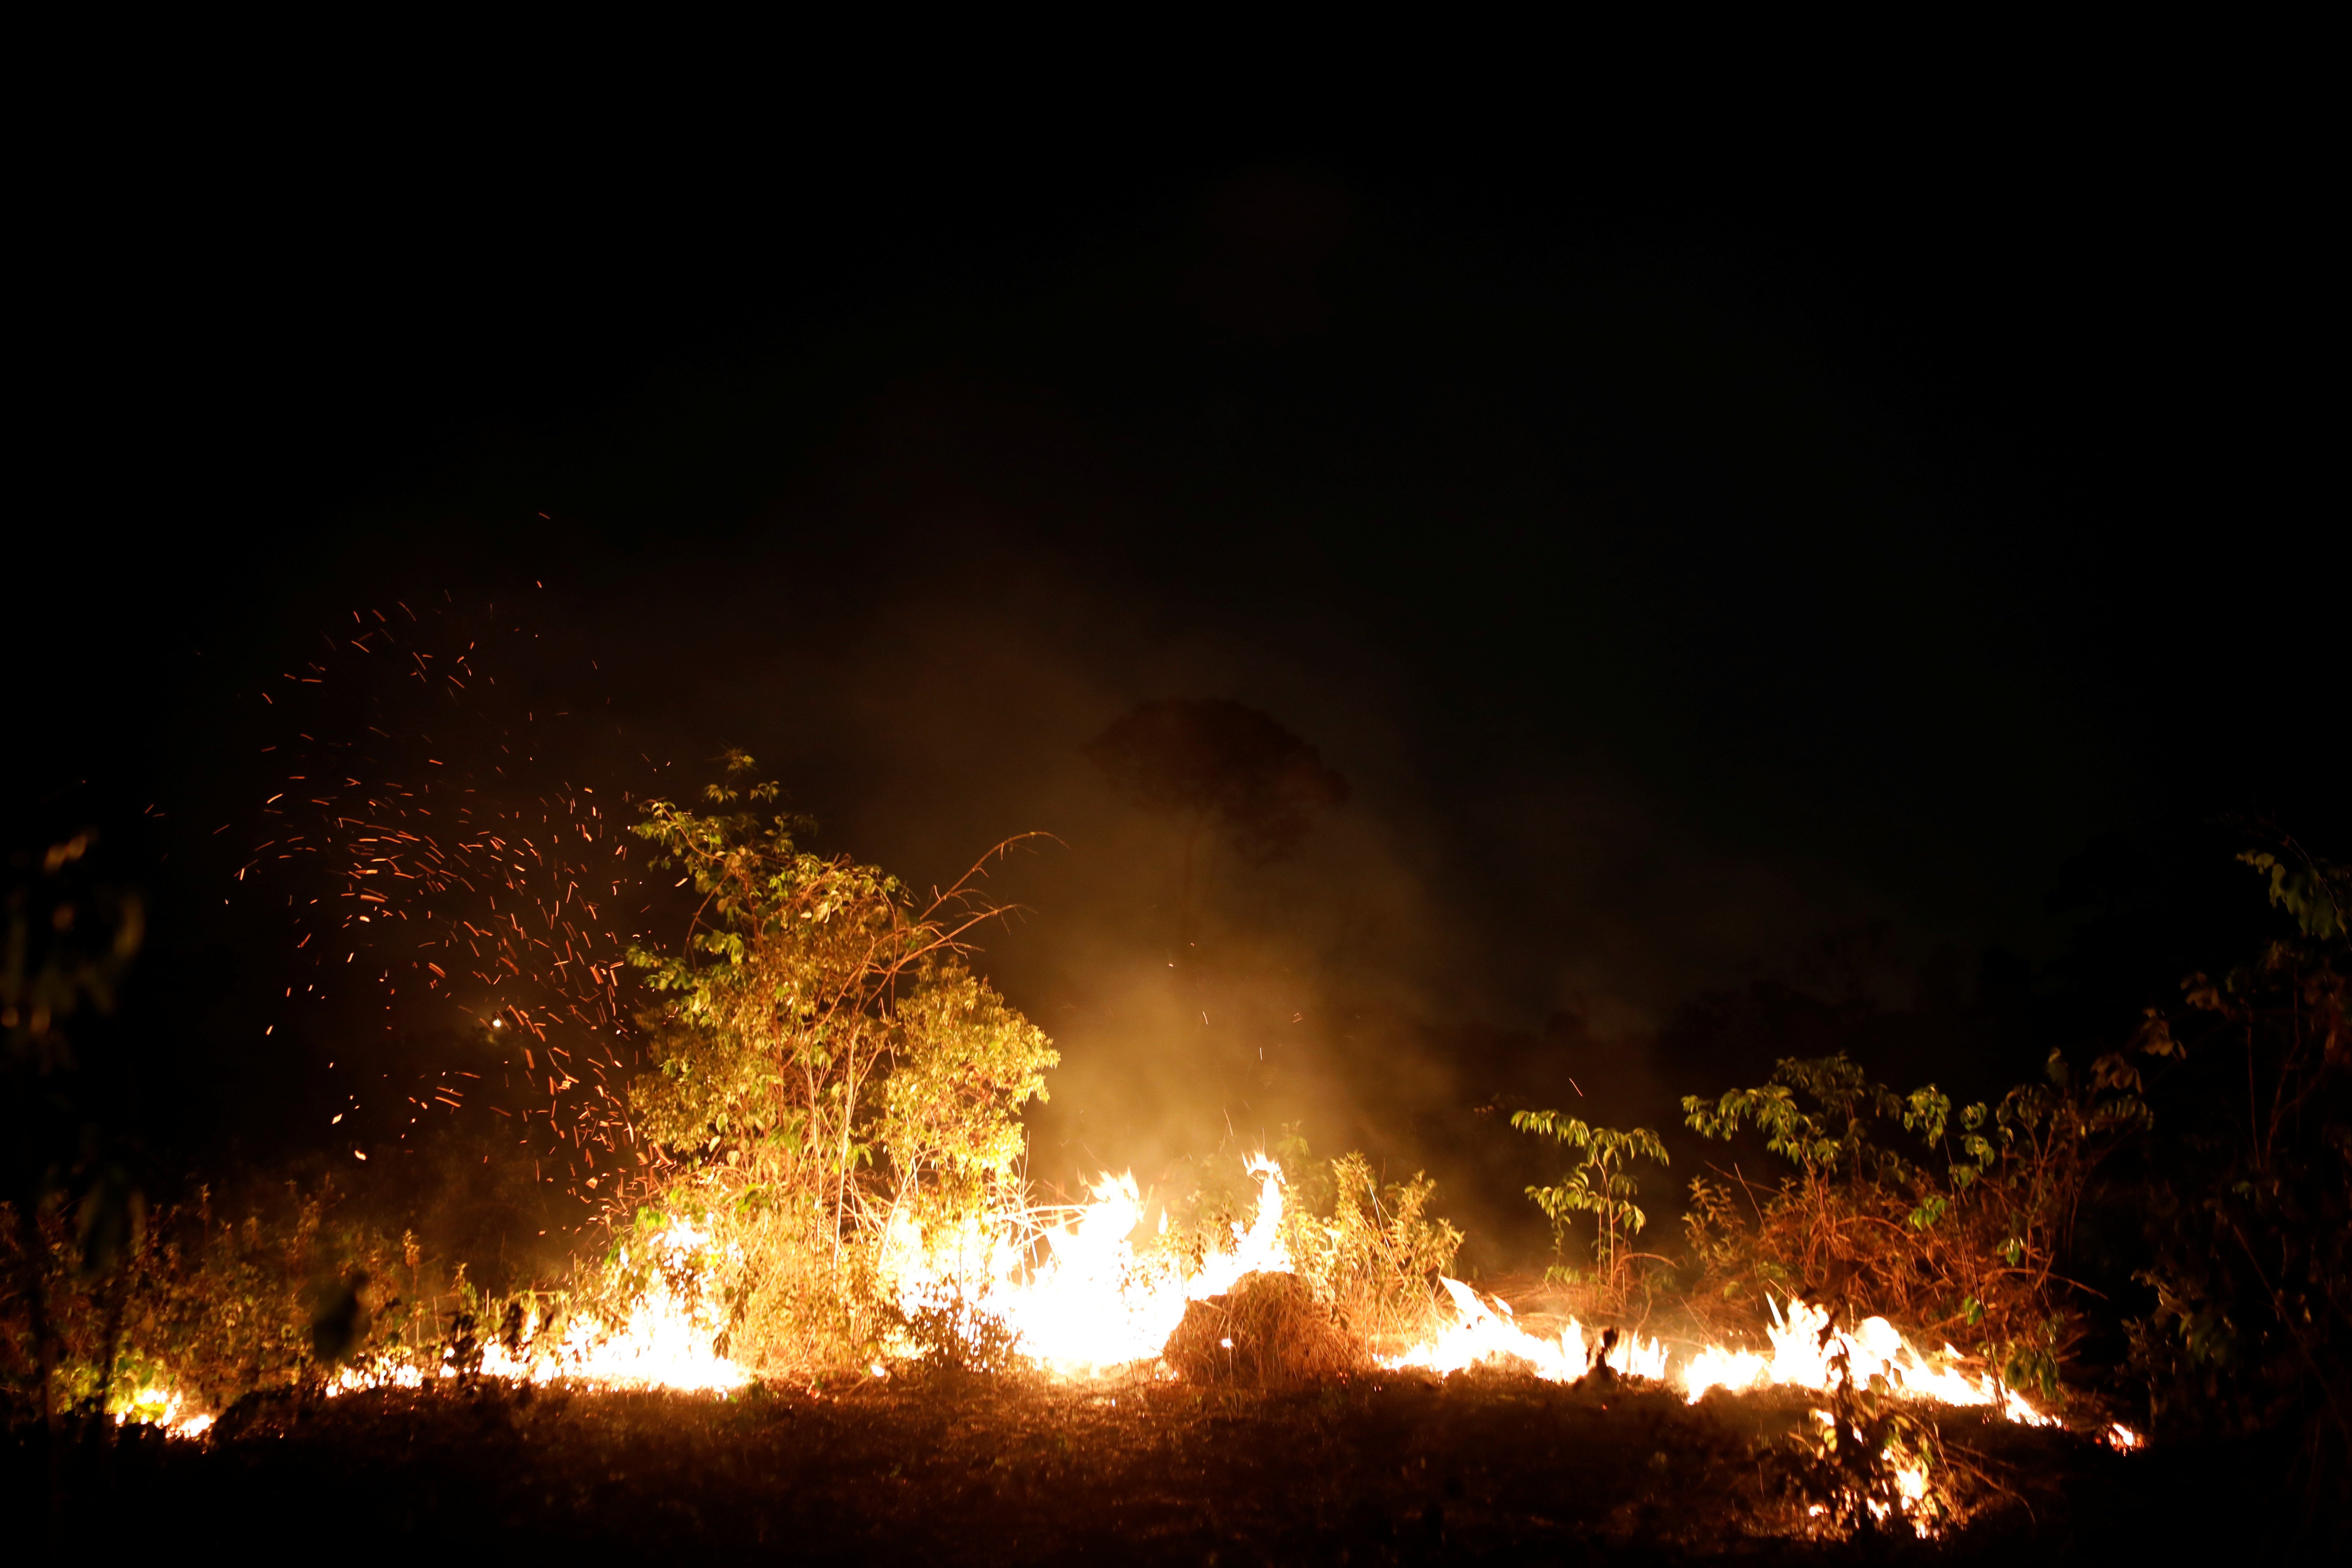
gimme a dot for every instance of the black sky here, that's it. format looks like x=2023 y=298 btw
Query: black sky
x=1685 y=560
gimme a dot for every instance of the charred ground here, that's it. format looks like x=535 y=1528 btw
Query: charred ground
x=1387 y=1468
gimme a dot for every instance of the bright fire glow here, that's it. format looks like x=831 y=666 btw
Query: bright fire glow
x=165 y=1407
x=1093 y=1303
x=1801 y=1354
x=1080 y=1299
x=665 y=1342
x=1483 y=1331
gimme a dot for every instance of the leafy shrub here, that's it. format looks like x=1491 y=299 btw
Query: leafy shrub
x=1892 y=1210
x=954 y=1336
x=821 y=1057
x=2247 y=1189
x=1600 y=1185
x=785 y=1291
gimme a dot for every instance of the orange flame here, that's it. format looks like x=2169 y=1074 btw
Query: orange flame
x=1094 y=1303
x=1803 y=1346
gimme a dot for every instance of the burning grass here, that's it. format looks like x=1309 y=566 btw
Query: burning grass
x=819 y=1189
x=1177 y=1390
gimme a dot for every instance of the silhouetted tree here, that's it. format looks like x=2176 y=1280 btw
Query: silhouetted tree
x=1214 y=762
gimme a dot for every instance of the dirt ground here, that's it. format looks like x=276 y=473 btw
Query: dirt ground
x=1392 y=1469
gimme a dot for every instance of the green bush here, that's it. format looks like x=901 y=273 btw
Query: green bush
x=1953 y=1230
x=1600 y=1185
x=2246 y=1192
x=820 y=1058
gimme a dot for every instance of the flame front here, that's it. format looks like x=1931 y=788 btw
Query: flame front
x=665 y=1341
x=1080 y=1299
x=1481 y=1333
x=1093 y=1303
x=1804 y=1346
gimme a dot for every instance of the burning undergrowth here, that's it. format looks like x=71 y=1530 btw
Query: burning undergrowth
x=802 y=1143
x=1852 y=1434
x=812 y=1172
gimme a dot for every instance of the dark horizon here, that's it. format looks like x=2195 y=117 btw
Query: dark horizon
x=1692 y=593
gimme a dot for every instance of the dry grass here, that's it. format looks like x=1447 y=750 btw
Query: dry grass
x=215 y=1304
x=1267 y=1331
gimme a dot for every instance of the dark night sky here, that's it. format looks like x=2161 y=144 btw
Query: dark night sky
x=1684 y=560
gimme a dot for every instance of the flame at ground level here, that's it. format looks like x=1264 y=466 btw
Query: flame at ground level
x=1080 y=1299
x=1484 y=1330
x=1093 y=1302
x=1805 y=1350
x=668 y=1339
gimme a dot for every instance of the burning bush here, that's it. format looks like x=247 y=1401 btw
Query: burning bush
x=954 y=1336
x=821 y=1061
x=1959 y=1240
x=1269 y=1331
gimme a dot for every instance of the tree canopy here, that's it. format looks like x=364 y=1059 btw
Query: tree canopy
x=1212 y=759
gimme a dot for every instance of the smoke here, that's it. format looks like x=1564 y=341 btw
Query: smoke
x=1446 y=940
x=1639 y=667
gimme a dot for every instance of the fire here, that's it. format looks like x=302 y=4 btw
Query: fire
x=1080 y=1298
x=667 y=1340
x=1093 y=1303
x=1802 y=1352
x=1910 y=1492
x=1482 y=1332
x=165 y=1408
